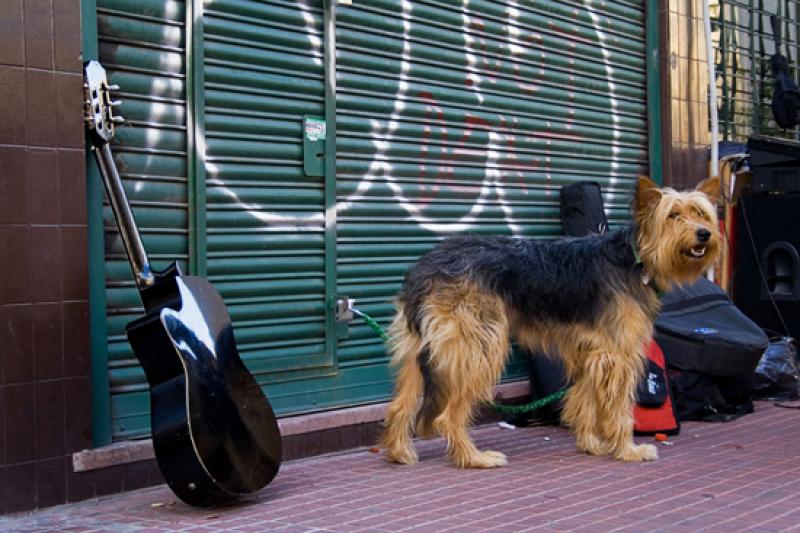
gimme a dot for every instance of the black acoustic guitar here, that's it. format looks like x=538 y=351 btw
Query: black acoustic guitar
x=214 y=432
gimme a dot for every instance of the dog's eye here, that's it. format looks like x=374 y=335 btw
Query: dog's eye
x=674 y=214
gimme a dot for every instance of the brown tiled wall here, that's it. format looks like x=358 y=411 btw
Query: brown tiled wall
x=45 y=394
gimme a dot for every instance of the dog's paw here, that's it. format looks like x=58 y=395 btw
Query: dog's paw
x=592 y=445
x=487 y=459
x=641 y=452
x=403 y=457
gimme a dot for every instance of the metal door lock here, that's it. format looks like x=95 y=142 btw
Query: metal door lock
x=344 y=309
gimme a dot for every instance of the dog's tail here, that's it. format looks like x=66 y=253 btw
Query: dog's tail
x=410 y=357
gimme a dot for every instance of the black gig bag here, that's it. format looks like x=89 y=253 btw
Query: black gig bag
x=547 y=376
x=701 y=330
x=708 y=398
x=785 y=93
x=711 y=349
x=582 y=211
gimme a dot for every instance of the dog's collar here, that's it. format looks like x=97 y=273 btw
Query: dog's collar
x=646 y=279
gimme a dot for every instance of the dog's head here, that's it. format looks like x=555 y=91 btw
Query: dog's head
x=677 y=232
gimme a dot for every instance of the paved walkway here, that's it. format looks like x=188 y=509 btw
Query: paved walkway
x=739 y=476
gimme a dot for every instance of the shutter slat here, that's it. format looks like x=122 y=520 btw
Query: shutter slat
x=264 y=217
x=142 y=48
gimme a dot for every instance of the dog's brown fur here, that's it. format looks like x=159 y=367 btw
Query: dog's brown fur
x=451 y=339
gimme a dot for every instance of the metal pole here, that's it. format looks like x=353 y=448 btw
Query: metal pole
x=712 y=91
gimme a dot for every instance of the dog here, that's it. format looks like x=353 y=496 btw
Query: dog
x=592 y=300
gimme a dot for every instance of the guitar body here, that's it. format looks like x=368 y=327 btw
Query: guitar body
x=214 y=433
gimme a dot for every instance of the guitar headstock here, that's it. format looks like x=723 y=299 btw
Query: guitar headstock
x=98 y=106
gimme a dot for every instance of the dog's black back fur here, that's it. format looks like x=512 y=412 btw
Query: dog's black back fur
x=568 y=280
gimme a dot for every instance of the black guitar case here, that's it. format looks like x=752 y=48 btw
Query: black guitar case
x=712 y=350
x=582 y=213
x=700 y=330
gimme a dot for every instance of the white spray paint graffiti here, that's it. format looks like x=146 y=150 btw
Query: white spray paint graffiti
x=381 y=166
x=473 y=77
x=383 y=132
x=311 y=31
x=494 y=176
x=601 y=37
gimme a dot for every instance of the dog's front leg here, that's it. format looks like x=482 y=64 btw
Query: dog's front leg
x=615 y=376
x=581 y=414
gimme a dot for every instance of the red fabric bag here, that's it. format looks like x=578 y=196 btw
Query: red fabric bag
x=654 y=410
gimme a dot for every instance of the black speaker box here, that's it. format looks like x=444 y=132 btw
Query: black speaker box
x=766 y=276
x=775 y=163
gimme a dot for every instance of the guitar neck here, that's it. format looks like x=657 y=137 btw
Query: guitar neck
x=140 y=264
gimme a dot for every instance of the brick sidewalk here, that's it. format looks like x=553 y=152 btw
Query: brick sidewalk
x=740 y=476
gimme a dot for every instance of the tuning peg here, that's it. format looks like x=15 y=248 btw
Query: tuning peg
x=114 y=87
x=116 y=103
x=118 y=119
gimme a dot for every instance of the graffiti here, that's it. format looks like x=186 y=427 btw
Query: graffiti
x=477 y=158
x=456 y=116
x=484 y=136
x=473 y=78
x=611 y=92
x=311 y=31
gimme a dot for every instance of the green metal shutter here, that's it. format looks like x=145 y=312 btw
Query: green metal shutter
x=141 y=44
x=449 y=118
x=263 y=72
x=469 y=117
x=269 y=247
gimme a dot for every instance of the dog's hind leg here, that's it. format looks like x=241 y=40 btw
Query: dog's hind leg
x=399 y=420
x=467 y=335
x=453 y=424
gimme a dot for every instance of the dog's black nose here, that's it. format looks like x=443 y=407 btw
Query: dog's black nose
x=703 y=235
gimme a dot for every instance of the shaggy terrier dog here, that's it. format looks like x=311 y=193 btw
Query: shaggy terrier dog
x=592 y=300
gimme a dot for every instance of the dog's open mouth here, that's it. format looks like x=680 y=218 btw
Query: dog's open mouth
x=696 y=252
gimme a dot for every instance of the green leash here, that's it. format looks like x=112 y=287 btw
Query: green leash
x=528 y=407
x=374 y=326
x=509 y=409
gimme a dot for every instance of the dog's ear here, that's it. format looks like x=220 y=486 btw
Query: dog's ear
x=709 y=187
x=647 y=193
